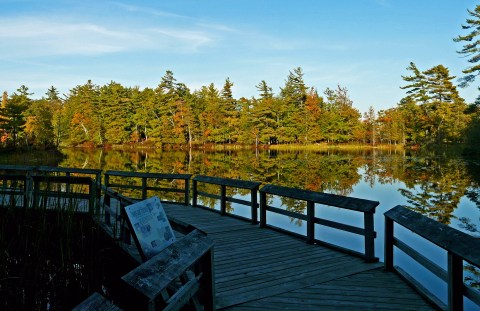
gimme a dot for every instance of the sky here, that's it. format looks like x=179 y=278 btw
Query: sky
x=363 y=45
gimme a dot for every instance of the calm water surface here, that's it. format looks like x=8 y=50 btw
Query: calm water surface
x=442 y=186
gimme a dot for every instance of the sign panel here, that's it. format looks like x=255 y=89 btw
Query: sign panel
x=150 y=224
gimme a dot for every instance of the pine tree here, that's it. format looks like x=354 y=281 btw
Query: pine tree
x=13 y=114
x=471 y=48
x=417 y=87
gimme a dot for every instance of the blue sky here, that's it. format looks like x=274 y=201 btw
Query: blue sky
x=364 y=45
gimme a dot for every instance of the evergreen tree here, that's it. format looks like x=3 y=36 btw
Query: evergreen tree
x=292 y=118
x=82 y=113
x=265 y=91
x=417 y=84
x=230 y=112
x=13 y=114
x=440 y=117
x=471 y=48
x=59 y=125
x=371 y=125
x=38 y=125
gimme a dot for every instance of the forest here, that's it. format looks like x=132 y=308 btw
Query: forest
x=431 y=113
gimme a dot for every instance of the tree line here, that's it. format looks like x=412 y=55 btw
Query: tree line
x=432 y=112
x=93 y=115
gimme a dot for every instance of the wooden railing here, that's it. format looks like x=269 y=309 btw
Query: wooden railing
x=14 y=185
x=223 y=183
x=46 y=188
x=459 y=246
x=41 y=183
x=144 y=179
x=366 y=207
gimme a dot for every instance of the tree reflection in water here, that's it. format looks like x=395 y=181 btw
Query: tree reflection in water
x=435 y=185
x=432 y=185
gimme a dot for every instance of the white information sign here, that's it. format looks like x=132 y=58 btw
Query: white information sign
x=151 y=225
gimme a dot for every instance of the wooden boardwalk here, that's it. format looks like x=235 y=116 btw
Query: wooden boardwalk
x=260 y=269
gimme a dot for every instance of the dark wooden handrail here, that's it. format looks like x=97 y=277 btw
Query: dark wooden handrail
x=253 y=186
x=13 y=184
x=69 y=181
x=459 y=246
x=144 y=180
x=367 y=207
x=354 y=204
x=33 y=176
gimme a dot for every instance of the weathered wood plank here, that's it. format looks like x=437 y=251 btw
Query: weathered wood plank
x=286 y=284
x=350 y=203
x=370 y=290
x=154 y=275
x=96 y=302
x=459 y=243
x=253 y=264
x=237 y=183
x=147 y=175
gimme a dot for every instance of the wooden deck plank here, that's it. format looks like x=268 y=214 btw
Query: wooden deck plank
x=258 y=268
x=341 y=293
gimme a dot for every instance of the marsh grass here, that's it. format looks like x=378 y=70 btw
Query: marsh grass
x=325 y=147
x=53 y=257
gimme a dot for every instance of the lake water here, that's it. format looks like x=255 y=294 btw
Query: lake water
x=445 y=187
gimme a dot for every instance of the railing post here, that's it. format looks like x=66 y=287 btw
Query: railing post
x=106 y=201
x=29 y=185
x=310 y=222
x=223 y=199
x=25 y=192
x=388 y=249
x=455 y=282
x=67 y=174
x=369 y=237
x=36 y=191
x=98 y=191
x=187 y=191
x=195 y=193
x=254 y=206
x=91 y=195
x=263 y=209
x=208 y=280
x=144 y=188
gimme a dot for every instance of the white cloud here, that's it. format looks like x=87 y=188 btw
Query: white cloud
x=180 y=39
x=24 y=37
x=147 y=10
x=33 y=36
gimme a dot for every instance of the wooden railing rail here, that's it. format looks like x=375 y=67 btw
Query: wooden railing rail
x=144 y=177
x=253 y=186
x=366 y=207
x=66 y=188
x=14 y=185
x=460 y=247
x=16 y=181
x=33 y=177
x=94 y=174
